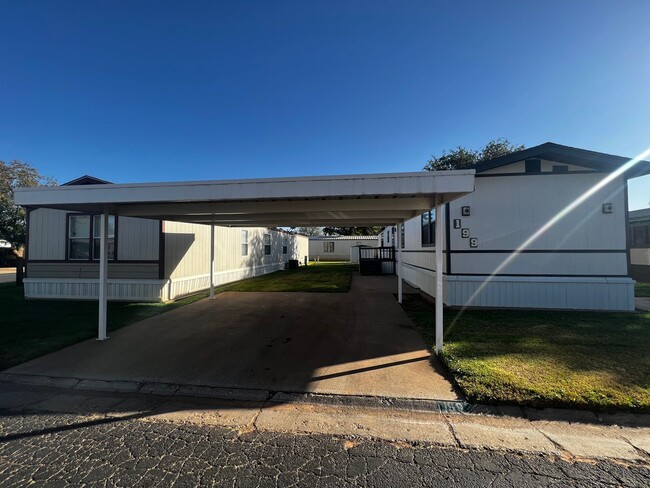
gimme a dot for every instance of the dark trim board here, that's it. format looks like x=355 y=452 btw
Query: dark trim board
x=26 y=257
x=94 y=261
x=523 y=275
x=628 y=236
x=161 y=250
x=518 y=275
x=430 y=251
x=539 y=251
x=541 y=173
x=448 y=237
x=558 y=153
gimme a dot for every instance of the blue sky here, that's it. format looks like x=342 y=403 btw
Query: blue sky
x=142 y=91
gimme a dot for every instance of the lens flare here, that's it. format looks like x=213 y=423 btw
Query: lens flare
x=548 y=225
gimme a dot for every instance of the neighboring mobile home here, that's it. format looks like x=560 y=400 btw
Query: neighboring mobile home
x=149 y=260
x=640 y=244
x=543 y=229
x=338 y=248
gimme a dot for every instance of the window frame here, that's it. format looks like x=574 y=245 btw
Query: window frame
x=644 y=242
x=267 y=247
x=430 y=226
x=91 y=237
x=285 y=245
x=243 y=238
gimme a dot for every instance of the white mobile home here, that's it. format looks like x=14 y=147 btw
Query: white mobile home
x=148 y=260
x=338 y=248
x=544 y=228
x=640 y=244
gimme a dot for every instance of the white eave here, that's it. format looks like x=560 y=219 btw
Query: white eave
x=350 y=200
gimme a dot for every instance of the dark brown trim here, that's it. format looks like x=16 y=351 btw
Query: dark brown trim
x=91 y=238
x=431 y=251
x=26 y=258
x=525 y=275
x=93 y=261
x=542 y=173
x=539 y=251
x=519 y=275
x=448 y=236
x=628 y=236
x=161 y=250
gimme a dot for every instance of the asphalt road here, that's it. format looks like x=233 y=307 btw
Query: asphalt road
x=64 y=450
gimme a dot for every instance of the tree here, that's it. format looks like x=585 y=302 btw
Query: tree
x=16 y=174
x=352 y=231
x=309 y=231
x=461 y=157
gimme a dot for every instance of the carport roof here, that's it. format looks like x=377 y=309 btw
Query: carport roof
x=348 y=200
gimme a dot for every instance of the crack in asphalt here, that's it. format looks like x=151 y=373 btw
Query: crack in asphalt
x=75 y=450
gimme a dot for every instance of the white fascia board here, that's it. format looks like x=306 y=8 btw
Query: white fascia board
x=348 y=186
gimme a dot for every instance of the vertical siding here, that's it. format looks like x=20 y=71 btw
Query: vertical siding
x=137 y=239
x=187 y=249
x=47 y=239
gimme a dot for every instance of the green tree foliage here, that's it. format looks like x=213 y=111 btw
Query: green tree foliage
x=461 y=157
x=352 y=231
x=16 y=174
x=309 y=231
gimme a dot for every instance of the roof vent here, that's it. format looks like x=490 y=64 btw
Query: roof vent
x=533 y=166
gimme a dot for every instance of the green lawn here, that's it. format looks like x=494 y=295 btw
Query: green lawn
x=31 y=328
x=592 y=360
x=321 y=277
x=642 y=290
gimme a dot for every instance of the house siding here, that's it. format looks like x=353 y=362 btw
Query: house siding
x=579 y=263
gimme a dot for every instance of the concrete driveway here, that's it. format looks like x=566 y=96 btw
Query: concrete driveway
x=356 y=343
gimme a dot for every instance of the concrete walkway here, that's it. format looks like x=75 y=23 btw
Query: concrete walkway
x=7 y=275
x=356 y=343
x=557 y=434
x=642 y=303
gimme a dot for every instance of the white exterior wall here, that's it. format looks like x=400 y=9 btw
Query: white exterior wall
x=137 y=239
x=187 y=255
x=135 y=275
x=342 y=247
x=640 y=256
x=580 y=263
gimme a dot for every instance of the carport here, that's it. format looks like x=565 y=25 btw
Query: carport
x=349 y=200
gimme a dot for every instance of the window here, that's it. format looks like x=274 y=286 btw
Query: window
x=244 y=243
x=401 y=236
x=640 y=235
x=284 y=245
x=429 y=228
x=84 y=240
x=328 y=246
x=267 y=244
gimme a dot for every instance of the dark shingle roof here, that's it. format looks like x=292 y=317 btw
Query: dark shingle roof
x=569 y=155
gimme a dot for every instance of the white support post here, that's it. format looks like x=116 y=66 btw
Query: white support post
x=212 y=262
x=400 y=269
x=103 y=274
x=439 y=271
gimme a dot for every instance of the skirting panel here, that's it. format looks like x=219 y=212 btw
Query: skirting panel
x=85 y=289
x=528 y=292
x=138 y=290
x=179 y=287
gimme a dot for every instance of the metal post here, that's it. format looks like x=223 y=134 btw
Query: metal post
x=212 y=262
x=439 y=284
x=400 y=269
x=103 y=275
